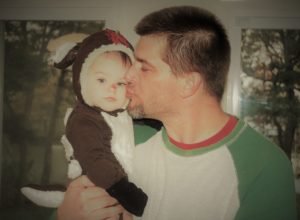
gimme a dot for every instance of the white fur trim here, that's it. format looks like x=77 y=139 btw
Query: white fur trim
x=62 y=51
x=67 y=115
x=68 y=148
x=74 y=169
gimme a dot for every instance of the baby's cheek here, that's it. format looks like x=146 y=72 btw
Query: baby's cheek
x=122 y=94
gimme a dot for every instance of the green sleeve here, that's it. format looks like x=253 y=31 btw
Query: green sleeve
x=271 y=195
x=142 y=133
x=266 y=180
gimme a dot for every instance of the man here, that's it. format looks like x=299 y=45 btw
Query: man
x=204 y=163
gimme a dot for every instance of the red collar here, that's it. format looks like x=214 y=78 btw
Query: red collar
x=226 y=130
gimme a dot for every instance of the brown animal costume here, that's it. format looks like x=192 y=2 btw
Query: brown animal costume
x=104 y=157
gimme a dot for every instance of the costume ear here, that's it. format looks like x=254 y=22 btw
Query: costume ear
x=65 y=56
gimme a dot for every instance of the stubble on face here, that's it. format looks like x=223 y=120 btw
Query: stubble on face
x=136 y=112
x=150 y=72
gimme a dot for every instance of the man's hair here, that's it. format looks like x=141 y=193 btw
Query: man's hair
x=196 y=42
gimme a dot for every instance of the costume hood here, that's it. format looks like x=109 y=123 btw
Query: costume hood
x=82 y=54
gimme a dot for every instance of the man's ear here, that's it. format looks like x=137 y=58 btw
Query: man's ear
x=191 y=83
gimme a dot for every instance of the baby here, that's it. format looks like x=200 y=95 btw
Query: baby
x=99 y=132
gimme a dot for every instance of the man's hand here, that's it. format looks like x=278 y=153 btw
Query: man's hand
x=84 y=201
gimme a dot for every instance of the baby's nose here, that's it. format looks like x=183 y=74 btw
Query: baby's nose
x=113 y=87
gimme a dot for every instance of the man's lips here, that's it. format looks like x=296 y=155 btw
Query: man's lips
x=129 y=93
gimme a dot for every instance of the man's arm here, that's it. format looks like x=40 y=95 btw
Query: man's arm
x=271 y=194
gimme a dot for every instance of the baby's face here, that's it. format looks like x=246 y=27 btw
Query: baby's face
x=105 y=84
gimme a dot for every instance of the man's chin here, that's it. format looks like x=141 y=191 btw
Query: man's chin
x=136 y=112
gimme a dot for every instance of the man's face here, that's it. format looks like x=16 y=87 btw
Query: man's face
x=151 y=83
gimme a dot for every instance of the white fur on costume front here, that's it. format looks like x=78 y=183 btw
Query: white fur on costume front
x=122 y=142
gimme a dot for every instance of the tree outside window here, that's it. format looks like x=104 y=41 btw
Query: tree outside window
x=36 y=96
x=270 y=86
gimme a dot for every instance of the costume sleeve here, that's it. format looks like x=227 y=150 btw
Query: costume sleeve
x=91 y=143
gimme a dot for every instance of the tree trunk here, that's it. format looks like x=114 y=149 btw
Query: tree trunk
x=286 y=139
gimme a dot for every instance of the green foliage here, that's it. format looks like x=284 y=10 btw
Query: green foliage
x=271 y=84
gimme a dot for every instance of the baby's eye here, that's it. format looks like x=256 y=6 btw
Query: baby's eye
x=101 y=80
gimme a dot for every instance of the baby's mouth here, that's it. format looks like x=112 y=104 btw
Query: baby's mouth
x=111 y=99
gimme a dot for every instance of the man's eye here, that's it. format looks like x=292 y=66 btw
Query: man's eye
x=121 y=84
x=144 y=69
x=101 y=80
